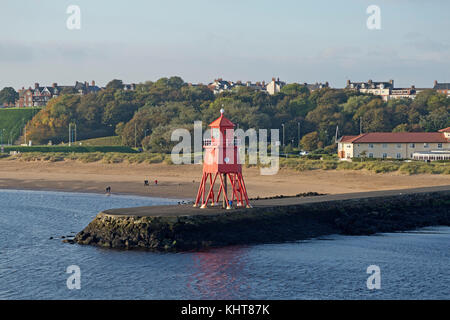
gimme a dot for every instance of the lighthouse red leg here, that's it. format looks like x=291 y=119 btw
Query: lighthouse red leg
x=245 y=190
x=241 y=190
x=211 y=189
x=199 y=193
x=204 y=191
x=233 y=183
x=233 y=186
x=222 y=182
x=238 y=191
x=218 y=193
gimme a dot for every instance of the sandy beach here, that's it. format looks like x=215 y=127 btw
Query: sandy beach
x=181 y=182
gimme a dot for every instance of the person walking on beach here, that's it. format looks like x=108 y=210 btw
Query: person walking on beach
x=108 y=190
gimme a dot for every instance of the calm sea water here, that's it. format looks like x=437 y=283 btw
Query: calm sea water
x=414 y=265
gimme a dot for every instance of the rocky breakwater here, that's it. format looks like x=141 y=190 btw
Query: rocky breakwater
x=288 y=221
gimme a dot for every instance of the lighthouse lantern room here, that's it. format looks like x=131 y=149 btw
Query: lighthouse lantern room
x=221 y=164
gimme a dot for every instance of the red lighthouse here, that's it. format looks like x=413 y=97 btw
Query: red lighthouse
x=221 y=163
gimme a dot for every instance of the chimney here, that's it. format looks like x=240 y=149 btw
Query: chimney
x=348 y=82
x=413 y=87
x=93 y=83
x=391 y=82
x=273 y=79
x=36 y=85
x=86 y=83
x=54 y=85
x=370 y=81
x=435 y=83
x=327 y=84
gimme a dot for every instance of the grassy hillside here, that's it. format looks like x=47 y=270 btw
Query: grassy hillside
x=12 y=121
x=105 y=141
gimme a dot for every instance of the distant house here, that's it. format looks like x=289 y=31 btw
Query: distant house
x=275 y=86
x=386 y=90
x=39 y=96
x=219 y=85
x=25 y=98
x=316 y=86
x=382 y=89
x=393 y=145
x=442 y=88
x=399 y=93
x=86 y=88
x=129 y=87
x=258 y=86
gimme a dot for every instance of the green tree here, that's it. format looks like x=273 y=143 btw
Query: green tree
x=115 y=84
x=310 y=141
x=8 y=95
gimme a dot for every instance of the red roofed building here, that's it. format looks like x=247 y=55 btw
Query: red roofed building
x=446 y=132
x=393 y=145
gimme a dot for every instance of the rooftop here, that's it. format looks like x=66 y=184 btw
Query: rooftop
x=396 y=137
x=441 y=86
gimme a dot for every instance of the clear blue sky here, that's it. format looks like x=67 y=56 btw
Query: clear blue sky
x=199 y=40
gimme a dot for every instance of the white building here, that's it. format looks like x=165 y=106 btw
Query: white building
x=393 y=145
x=275 y=86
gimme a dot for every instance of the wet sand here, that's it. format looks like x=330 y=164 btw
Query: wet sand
x=181 y=182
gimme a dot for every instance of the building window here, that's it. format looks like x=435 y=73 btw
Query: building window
x=399 y=146
x=385 y=145
x=371 y=146
x=439 y=145
x=412 y=145
x=370 y=155
x=349 y=146
x=384 y=155
x=399 y=155
x=426 y=145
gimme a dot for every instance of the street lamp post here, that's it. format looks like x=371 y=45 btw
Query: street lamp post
x=75 y=133
x=299 y=134
x=135 y=135
x=283 y=132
